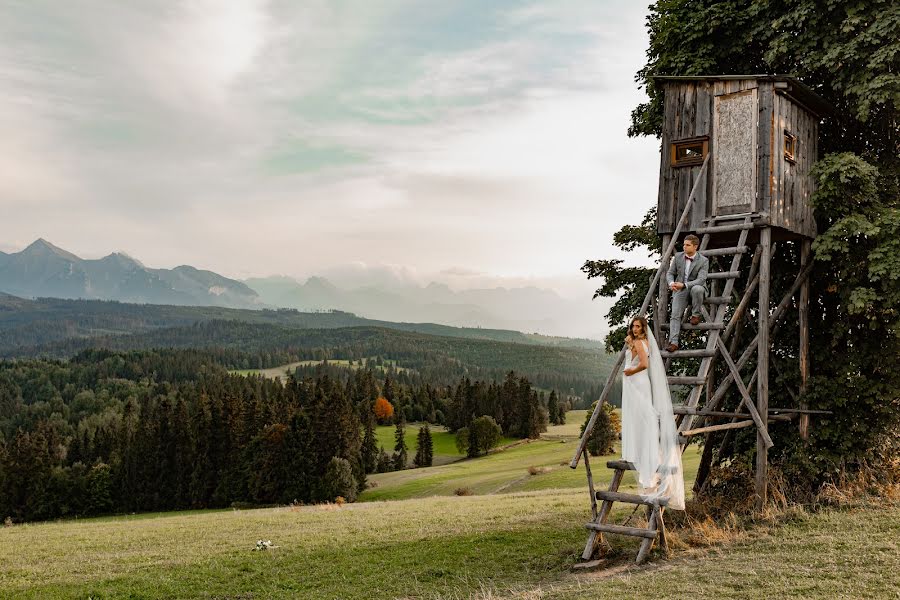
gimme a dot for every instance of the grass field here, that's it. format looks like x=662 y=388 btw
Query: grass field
x=444 y=442
x=506 y=471
x=283 y=370
x=411 y=537
x=509 y=545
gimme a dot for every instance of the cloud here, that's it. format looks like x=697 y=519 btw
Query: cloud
x=256 y=137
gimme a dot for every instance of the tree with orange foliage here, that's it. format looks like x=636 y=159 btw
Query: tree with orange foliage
x=384 y=410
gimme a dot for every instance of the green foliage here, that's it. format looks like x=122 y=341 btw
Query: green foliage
x=848 y=53
x=606 y=430
x=424 y=448
x=483 y=434
x=400 y=450
x=462 y=440
x=628 y=284
x=339 y=480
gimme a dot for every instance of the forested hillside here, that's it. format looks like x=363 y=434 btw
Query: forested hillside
x=438 y=360
x=33 y=323
x=159 y=430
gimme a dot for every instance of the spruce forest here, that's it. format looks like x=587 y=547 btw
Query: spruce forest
x=112 y=432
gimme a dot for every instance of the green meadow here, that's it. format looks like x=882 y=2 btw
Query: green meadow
x=515 y=534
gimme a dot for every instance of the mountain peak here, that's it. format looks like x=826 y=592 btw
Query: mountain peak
x=42 y=247
x=319 y=282
x=122 y=259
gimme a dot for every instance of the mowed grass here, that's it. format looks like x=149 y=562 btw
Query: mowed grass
x=508 y=471
x=516 y=538
x=518 y=545
x=444 y=442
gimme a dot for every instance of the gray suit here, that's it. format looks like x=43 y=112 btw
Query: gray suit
x=694 y=288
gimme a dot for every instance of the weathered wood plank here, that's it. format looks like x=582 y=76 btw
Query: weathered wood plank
x=685 y=380
x=722 y=427
x=723 y=275
x=628 y=498
x=803 y=325
x=726 y=251
x=762 y=366
x=724 y=228
x=622 y=530
x=647 y=544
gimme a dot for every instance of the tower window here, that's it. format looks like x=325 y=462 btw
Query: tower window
x=790 y=147
x=689 y=152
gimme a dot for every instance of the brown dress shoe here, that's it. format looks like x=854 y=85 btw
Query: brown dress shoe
x=672 y=347
x=695 y=320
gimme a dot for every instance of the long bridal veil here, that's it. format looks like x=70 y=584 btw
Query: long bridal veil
x=669 y=485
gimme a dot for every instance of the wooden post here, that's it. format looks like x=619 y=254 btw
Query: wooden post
x=762 y=361
x=805 y=255
x=662 y=304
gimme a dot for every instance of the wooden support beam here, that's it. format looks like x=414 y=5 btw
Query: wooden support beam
x=590 y=478
x=685 y=380
x=700 y=353
x=647 y=544
x=722 y=427
x=754 y=343
x=629 y=498
x=724 y=228
x=622 y=530
x=747 y=401
x=723 y=275
x=697 y=327
x=805 y=258
x=726 y=251
x=763 y=443
x=684 y=410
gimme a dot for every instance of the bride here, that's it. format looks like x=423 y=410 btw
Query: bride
x=649 y=438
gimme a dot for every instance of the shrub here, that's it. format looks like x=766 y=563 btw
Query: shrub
x=339 y=480
x=606 y=430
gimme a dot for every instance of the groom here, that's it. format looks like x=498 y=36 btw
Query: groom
x=687 y=279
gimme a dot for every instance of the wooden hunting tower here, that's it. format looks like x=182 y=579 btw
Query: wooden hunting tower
x=761 y=132
x=735 y=170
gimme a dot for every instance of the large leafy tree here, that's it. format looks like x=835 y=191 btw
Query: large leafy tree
x=849 y=52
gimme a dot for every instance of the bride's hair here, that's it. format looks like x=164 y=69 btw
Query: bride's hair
x=643 y=323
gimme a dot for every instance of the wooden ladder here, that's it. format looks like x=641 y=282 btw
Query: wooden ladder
x=598 y=526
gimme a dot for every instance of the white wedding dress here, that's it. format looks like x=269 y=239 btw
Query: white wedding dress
x=649 y=437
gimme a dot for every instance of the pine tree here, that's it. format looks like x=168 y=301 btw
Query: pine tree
x=424 y=448
x=384 y=461
x=553 y=408
x=369 y=447
x=428 y=454
x=400 y=450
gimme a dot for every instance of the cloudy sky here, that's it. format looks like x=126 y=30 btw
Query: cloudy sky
x=469 y=141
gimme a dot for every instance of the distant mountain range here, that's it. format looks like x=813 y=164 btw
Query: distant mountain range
x=44 y=270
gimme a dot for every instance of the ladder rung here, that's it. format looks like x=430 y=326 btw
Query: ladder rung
x=678 y=380
x=688 y=326
x=724 y=228
x=723 y=275
x=717 y=300
x=622 y=530
x=701 y=353
x=622 y=465
x=726 y=251
x=629 y=498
